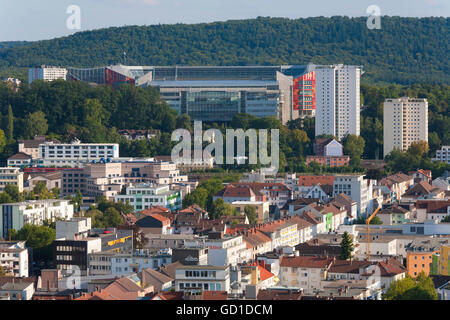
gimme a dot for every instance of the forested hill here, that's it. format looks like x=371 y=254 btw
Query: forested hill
x=404 y=50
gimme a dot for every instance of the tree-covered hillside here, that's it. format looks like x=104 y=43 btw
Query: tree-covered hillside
x=404 y=50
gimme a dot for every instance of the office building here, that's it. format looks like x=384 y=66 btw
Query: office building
x=338 y=100
x=356 y=188
x=405 y=121
x=48 y=73
x=71 y=154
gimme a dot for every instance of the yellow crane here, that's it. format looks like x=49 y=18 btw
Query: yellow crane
x=368 y=231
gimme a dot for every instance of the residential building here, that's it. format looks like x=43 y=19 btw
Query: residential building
x=11 y=176
x=261 y=209
x=442 y=155
x=126 y=263
x=419 y=256
x=421 y=175
x=155 y=223
x=432 y=209
x=398 y=184
x=443 y=261
x=305 y=272
x=394 y=215
x=143 y=196
x=202 y=278
x=47 y=73
x=18 y=290
x=329 y=161
x=223 y=250
x=405 y=120
x=338 y=100
x=423 y=191
x=19 y=160
x=357 y=188
x=14 y=258
x=158 y=280
x=49 y=179
x=35 y=212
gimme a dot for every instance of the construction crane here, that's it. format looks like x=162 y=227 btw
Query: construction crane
x=368 y=231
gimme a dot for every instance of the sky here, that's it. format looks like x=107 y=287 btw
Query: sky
x=46 y=19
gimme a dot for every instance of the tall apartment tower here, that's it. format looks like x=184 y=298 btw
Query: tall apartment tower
x=405 y=122
x=338 y=100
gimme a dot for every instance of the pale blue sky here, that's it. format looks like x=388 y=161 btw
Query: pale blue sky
x=46 y=19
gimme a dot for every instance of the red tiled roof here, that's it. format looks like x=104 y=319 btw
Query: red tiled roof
x=308 y=180
x=214 y=295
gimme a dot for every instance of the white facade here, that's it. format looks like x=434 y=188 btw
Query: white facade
x=14 y=258
x=78 y=151
x=48 y=73
x=357 y=188
x=208 y=278
x=143 y=196
x=34 y=212
x=443 y=155
x=405 y=121
x=338 y=100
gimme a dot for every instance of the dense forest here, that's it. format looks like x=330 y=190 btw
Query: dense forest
x=403 y=51
x=69 y=110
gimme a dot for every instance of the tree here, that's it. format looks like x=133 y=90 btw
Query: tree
x=184 y=122
x=112 y=217
x=35 y=124
x=346 y=246
x=10 y=126
x=354 y=147
x=420 y=288
x=418 y=149
x=3 y=141
x=2 y=271
x=96 y=216
x=13 y=192
x=250 y=212
x=5 y=198
x=40 y=238
x=221 y=208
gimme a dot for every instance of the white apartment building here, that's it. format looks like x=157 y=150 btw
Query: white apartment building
x=123 y=264
x=338 y=100
x=228 y=250
x=208 y=278
x=35 y=212
x=11 y=176
x=70 y=154
x=357 y=188
x=48 y=73
x=405 y=121
x=143 y=196
x=442 y=155
x=14 y=258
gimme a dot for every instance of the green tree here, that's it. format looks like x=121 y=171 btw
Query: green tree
x=3 y=141
x=420 y=288
x=221 y=208
x=112 y=217
x=354 y=147
x=10 y=125
x=97 y=219
x=346 y=246
x=13 y=191
x=5 y=198
x=35 y=124
x=250 y=212
x=418 y=149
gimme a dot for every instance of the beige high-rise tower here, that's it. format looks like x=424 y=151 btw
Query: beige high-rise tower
x=405 y=122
